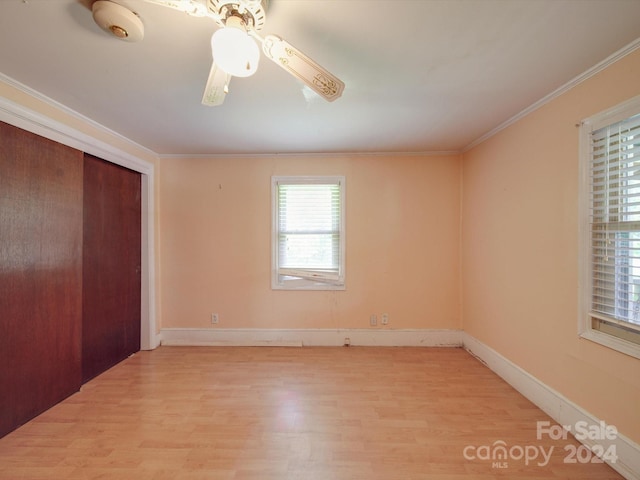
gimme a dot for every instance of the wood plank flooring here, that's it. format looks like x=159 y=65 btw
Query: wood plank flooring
x=195 y=413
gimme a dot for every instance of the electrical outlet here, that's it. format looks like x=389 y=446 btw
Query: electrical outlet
x=373 y=320
x=215 y=318
x=385 y=319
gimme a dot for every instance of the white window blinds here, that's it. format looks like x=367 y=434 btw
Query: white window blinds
x=615 y=224
x=308 y=231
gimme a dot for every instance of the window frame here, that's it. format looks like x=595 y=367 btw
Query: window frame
x=307 y=282
x=607 y=334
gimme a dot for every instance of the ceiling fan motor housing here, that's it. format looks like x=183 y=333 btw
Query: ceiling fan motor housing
x=253 y=12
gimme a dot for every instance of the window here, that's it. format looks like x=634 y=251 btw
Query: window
x=610 y=168
x=308 y=233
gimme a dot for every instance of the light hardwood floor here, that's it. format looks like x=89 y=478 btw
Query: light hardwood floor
x=290 y=413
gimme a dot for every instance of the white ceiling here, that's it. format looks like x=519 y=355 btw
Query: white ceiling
x=420 y=75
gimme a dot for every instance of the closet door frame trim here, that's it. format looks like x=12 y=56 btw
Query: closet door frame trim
x=35 y=122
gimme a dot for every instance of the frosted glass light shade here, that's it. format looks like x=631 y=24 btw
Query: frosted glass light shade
x=235 y=52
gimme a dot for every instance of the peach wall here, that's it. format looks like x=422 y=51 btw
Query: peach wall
x=402 y=243
x=520 y=251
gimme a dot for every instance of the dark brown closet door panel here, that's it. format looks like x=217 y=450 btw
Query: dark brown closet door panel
x=111 y=265
x=40 y=274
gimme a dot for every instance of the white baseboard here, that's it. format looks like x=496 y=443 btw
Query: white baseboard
x=310 y=337
x=557 y=406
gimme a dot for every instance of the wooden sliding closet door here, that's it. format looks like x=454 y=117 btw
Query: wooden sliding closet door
x=111 y=266
x=40 y=274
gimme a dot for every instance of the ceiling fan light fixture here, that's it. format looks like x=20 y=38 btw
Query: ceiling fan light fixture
x=234 y=51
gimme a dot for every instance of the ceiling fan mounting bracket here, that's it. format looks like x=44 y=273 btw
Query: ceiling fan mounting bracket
x=118 y=20
x=253 y=12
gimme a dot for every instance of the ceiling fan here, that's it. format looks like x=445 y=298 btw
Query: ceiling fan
x=234 y=48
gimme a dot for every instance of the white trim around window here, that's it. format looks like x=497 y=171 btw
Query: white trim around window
x=308 y=232
x=609 y=212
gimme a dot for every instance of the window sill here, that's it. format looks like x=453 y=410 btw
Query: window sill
x=622 y=346
x=307 y=286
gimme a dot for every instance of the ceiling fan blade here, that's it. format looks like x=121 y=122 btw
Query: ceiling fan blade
x=195 y=8
x=324 y=83
x=217 y=87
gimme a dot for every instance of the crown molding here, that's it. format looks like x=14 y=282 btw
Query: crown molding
x=610 y=60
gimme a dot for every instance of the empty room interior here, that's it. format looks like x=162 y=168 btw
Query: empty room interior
x=410 y=252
